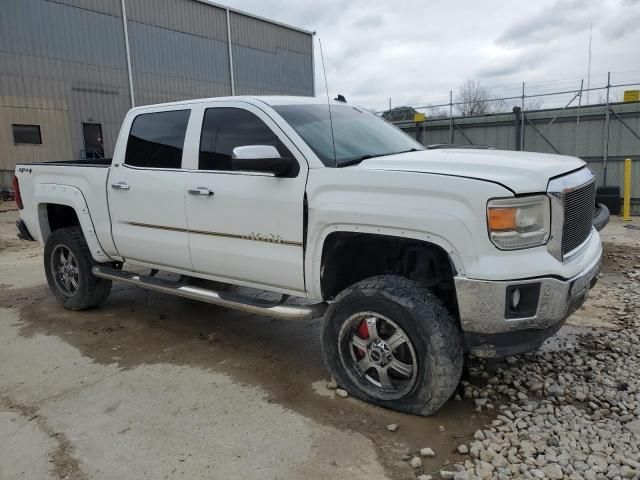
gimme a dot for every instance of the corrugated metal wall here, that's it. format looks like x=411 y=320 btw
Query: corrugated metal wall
x=178 y=50
x=63 y=62
x=268 y=56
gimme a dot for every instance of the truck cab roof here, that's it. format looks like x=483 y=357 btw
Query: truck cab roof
x=271 y=100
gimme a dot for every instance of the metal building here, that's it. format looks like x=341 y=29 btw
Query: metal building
x=70 y=69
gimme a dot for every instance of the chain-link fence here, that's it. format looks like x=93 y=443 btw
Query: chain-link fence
x=595 y=124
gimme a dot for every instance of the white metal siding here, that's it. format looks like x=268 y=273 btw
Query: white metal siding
x=270 y=59
x=184 y=16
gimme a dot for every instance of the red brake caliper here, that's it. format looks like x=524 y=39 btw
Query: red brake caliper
x=363 y=332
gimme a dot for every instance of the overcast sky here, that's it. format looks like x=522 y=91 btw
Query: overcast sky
x=415 y=51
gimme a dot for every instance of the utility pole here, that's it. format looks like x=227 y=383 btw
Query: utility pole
x=451 y=117
x=522 y=113
x=607 y=120
x=589 y=63
x=575 y=146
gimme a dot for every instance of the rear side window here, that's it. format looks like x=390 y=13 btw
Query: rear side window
x=223 y=129
x=156 y=139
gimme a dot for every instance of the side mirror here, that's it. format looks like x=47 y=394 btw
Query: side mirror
x=260 y=158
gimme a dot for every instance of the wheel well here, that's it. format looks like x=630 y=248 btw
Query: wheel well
x=61 y=216
x=54 y=216
x=349 y=257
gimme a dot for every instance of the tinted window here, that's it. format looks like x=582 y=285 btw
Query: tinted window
x=223 y=129
x=156 y=139
x=26 y=134
x=357 y=134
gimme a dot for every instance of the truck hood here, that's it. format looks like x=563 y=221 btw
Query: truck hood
x=521 y=172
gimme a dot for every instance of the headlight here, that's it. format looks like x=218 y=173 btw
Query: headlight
x=519 y=222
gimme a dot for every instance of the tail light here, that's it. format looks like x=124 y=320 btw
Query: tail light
x=16 y=189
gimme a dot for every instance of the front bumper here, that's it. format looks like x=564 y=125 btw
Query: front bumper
x=601 y=216
x=491 y=329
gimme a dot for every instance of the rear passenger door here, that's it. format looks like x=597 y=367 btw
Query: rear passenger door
x=146 y=191
x=249 y=228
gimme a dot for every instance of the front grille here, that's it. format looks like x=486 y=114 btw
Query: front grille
x=579 y=206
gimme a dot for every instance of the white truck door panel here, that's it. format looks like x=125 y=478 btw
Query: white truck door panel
x=250 y=227
x=147 y=192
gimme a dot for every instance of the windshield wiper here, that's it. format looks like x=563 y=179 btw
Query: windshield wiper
x=361 y=158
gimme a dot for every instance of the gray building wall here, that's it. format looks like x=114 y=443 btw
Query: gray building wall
x=64 y=63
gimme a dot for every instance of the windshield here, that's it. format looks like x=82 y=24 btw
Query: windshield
x=358 y=134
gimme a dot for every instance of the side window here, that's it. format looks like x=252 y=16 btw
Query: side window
x=156 y=139
x=223 y=129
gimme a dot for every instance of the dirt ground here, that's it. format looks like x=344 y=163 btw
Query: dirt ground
x=153 y=386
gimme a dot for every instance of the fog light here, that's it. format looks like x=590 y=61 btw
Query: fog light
x=515 y=298
x=521 y=301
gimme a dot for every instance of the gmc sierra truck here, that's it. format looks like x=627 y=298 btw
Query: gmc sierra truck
x=412 y=256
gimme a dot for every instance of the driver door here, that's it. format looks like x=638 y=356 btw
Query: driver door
x=244 y=227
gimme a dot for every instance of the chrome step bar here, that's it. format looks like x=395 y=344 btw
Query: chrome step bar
x=285 y=312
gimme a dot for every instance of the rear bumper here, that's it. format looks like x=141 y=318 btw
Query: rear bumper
x=493 y=328
x=23 y=231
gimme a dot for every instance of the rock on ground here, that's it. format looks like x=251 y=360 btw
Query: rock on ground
x=427 y=452
x=341 y=393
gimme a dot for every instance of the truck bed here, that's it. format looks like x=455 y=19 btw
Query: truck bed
x=78 y=183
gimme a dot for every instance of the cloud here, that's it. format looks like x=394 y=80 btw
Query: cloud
x=563 y=18
x=369 y=22
x=501 y=62
x=415 y=52
x=623 y=23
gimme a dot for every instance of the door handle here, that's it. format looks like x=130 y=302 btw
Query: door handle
x=200 y=191
x=120 y=186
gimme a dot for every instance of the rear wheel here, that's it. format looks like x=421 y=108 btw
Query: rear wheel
x=393 y=344
x=67 y=265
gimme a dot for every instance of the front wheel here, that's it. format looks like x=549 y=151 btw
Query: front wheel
x=392 y=343
x=67 y=265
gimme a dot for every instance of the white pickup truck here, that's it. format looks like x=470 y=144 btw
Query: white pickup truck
x=413 y=256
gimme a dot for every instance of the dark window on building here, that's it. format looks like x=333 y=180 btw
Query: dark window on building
x=26 y=134
x=223 y=129
x=156 y=139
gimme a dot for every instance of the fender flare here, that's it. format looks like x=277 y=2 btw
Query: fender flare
x=313 y=261
x=70 y=196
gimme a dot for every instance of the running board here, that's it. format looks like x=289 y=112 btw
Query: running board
x=285 y=312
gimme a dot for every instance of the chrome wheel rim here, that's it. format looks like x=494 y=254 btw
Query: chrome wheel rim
x=378 y=355
x=65 y=270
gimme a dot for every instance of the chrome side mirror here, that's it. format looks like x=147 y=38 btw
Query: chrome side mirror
x=260 y=158
x=255 y=151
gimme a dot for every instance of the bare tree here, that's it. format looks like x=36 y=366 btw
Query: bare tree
x=472 y=99
x=533 y=103
x=498 y=106
x=614 y=97
x=475 y=99
x=437 y=112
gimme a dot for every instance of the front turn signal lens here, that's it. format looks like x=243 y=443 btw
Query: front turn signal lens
x=501 y=219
